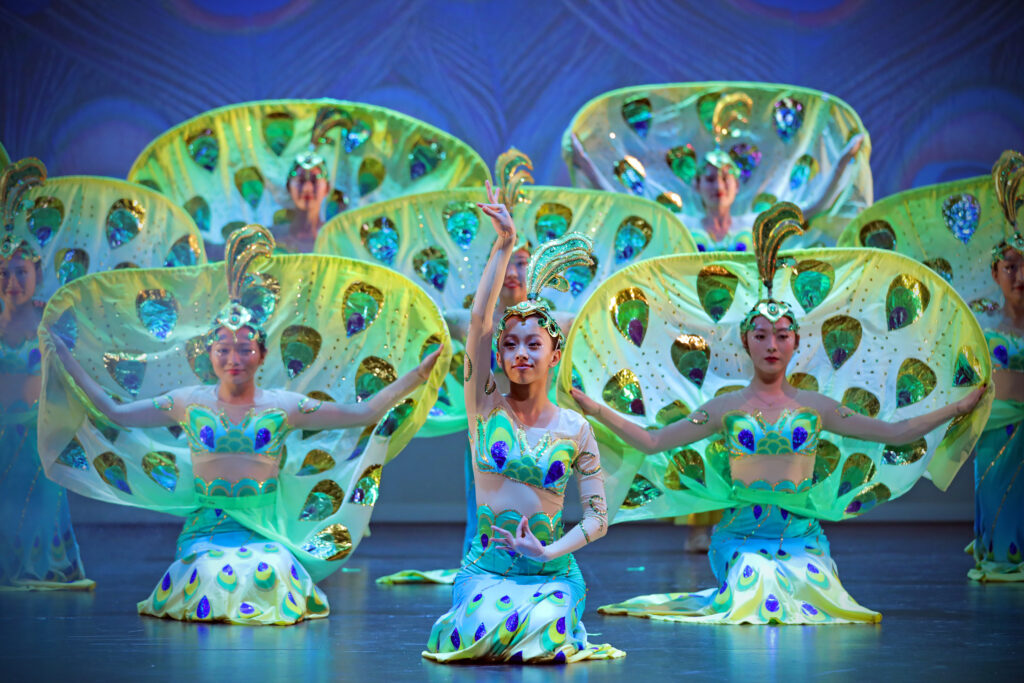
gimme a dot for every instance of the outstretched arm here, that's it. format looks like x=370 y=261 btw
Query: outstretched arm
x=312 y=413
x=582 y=161
x=481 y=322
x=594 y=524
x=839 y=419
x=700 y=424
x=822 y=200
x=155 y=412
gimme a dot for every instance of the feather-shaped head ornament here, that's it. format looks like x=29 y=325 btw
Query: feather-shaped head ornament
x=546 y=268
x=16 y=180
x=771 y=228
x=1008 y=178
x=247 y=248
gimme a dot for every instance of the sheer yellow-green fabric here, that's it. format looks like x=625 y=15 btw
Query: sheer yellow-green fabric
x=5 y=159
x=879 y=332
x=442 y=241
x=338 y=329
x=229 y=166
x=950 y=227
x=650 y=140
x=87 y=224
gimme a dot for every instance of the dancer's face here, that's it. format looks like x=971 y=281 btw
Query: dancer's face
x=235 y=357
x=18 y=278
x=513 y=288
x=1008 y=273
x=526 y=351
x=771 y=347
x=716 y=187
x=308 y=188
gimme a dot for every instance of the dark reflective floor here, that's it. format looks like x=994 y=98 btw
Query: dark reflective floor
x=937 y=626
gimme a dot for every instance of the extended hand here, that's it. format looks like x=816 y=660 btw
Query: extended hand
x=522 y=542
x=852 y=147
x=500 y=217
x=588 y=405
x=427 y=364
x=967 y=403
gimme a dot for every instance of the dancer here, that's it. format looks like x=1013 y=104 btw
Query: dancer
x=998 y=546
x=241 y=558
x=519 y=596
x=770 y=470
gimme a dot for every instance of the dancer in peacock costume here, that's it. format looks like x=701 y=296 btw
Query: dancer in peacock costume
x=884 y=359
x=294 y=164
x=519 y=595
x=276 y=485
x=719 y=153
x=435 y=239
x=56 y=230
x=951 y=227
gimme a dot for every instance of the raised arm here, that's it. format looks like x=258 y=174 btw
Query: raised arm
x=839 y=419
x=594 y=524
x=822 y=200
x=481 y=323
x=700 y=424
x=151 y=412
x=310 y=413
x=582 y=161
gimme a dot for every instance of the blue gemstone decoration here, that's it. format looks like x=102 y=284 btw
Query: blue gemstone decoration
x=203 y=610
x=555 y=472
x=772 y=603
x=354 y=324
x=484 y=540
x=262 y=567
x=560 y=657
x=481 y=631
x=166 y=583
x=262 y=437
x=499 y=452
x=701 y=247
x=560 y=625
x=741 y=247
x=799 y=437
x=810 y=609
x=206 y=436
x=812 y=569
x=512 y=623
x=195 y=573
x=757 y=512
x=228 y=570
x=723 y=587
x=746 y=437
x=1001 y=354
x=517 y=658
x=559 y=594
x=33 y=358
x=784 y=512
x=456 y=641
x=246 y=608
x=295 y=573
x=748 y=571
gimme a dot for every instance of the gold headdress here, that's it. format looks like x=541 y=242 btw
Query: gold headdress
x=16 y=180
x=730 y=110
x=245 y=247
x=511 y=172
x=1008 y=177
x=771 y=227
x=545 y=270
x=327 y=119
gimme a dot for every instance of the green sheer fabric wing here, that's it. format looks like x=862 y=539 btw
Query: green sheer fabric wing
x=650 y=140
x=442 y=241
x=229 y=167
x=320 y=344
x=83 y=224
x=950 y=227
x=878 y=331
x=5 y=158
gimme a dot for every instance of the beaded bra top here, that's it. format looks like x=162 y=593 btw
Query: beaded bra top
x=795 y=431
x=502 y=448
x=261 y=433
x=23 y=359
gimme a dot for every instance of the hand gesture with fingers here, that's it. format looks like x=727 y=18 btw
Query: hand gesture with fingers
x=588 y=405
x=500 y=217
x=522 y=541
x=427 y=364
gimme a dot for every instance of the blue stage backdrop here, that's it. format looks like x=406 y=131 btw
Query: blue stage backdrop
x=939 y=84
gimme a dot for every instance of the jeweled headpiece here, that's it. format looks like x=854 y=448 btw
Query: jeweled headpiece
x=16 y=180
x=327 y=119
x=245 y=247
x=512 y=171
x=1008 y=178
x=730 y=111
x=545 y=270
x=771 y=227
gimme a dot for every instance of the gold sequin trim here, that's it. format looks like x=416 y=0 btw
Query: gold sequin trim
x=305 y=408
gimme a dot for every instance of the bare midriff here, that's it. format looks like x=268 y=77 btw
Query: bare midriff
x=501 y=493
x=772 y=468
x=233 y=467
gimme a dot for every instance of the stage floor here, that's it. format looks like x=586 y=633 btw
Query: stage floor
x=936 y=626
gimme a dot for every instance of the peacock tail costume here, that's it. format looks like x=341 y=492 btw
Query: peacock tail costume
x=68 y=226
x=778 y=140
x=880 y=333
x=251 y=549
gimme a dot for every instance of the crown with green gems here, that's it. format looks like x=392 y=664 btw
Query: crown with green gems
x=1008 y=176
x=545 y=269
x=730 y=112
x=245 y=247
x=770 y=229
x=16 y=180
x=327 y=119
